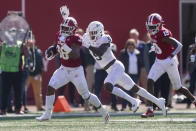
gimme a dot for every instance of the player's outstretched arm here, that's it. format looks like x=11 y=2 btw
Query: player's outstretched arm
x=99 y=51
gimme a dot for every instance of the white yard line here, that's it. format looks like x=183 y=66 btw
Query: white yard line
x=156 y=120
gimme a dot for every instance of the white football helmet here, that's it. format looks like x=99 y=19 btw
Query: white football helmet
x=95 y=30
x=154 y=23
x=68 y=26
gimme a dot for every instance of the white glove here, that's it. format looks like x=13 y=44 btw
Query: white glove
x=152 y=49
x=64 y=11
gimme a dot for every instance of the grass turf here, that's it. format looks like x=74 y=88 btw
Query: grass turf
x=176 y=122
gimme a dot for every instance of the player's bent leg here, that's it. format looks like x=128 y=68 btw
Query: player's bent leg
x=150 y=110
x=120 y=93
x=187 y=93
x=174 y=76
x=93 y=99
x=155 y=72
x=50 y=97
x=159 y=102
x=150 y=89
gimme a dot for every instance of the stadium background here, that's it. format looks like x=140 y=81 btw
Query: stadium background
x=117 y=16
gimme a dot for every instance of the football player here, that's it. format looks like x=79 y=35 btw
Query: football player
x=166 y=48
x=99 y=45
x=71 y=70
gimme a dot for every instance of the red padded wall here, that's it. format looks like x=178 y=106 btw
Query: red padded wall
x=117 y=16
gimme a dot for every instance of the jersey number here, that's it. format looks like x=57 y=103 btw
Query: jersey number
x=97 y=57
x=62 y=53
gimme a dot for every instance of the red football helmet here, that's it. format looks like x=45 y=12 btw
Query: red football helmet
x=154 y=23
x=68 y=26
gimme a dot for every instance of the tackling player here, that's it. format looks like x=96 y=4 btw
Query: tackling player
x=166 y=48
x=98 y=44
x=71 y=70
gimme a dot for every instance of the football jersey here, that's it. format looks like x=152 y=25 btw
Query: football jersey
x=162 y=49
x=108 y=56
x=64 y=58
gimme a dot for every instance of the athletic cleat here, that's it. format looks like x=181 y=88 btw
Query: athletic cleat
x=45 y=116
x=194 y=121
x=161 y=105
x=135 y=106
x=148 y=113
x=104 y=111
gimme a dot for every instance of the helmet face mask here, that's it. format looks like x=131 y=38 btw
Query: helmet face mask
x=154 y=23
x=95 y=30
x=68 y=26
x=66 y=30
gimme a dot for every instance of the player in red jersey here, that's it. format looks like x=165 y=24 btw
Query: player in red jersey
x=71 y=70
x=166 y=48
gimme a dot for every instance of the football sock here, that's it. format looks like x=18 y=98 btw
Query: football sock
x=142 y=92
x=118 y=92
x=94 y=100
x=49 y=102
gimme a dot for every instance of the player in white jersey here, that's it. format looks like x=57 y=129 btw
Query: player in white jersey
x=99 y=46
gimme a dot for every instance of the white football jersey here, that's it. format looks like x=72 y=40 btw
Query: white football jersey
x=108 y=56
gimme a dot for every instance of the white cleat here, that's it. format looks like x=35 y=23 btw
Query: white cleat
x=194 y=121
x=104 y=111
x=45 y=116
x=135 y=105
x=161 y=105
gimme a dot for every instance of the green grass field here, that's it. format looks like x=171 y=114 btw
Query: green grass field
x=176 y=122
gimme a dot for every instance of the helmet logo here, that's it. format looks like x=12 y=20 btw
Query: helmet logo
x=154 y=23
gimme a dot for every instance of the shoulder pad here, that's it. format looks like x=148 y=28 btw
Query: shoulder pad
x=165 y=32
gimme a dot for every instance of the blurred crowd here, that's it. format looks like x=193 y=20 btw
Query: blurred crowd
x=24 y=64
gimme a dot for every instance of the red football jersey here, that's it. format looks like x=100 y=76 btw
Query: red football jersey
x=162 y=49
x=65 y=60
